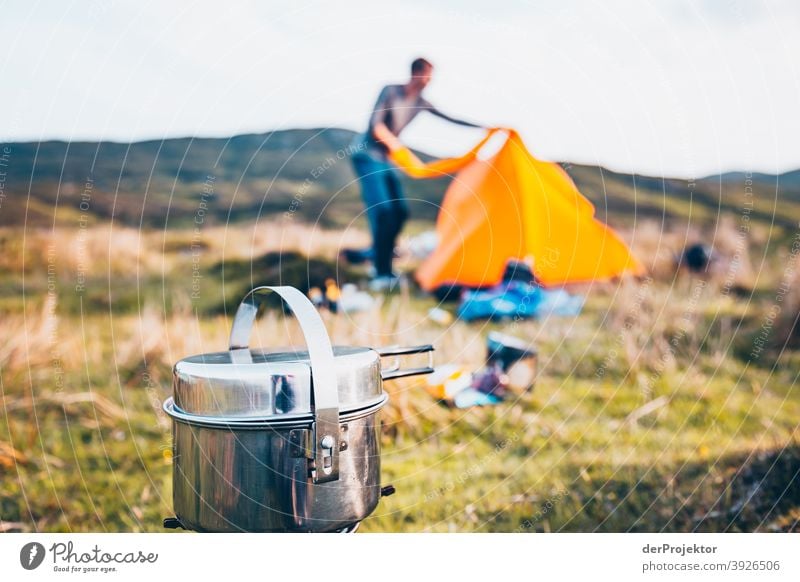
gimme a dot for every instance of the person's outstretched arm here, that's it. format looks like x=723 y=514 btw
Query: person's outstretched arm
x=428 y=106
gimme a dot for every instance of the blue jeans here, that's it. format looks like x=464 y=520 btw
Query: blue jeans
x=387 y=210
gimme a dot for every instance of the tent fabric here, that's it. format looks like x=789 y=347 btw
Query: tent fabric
x=514 y=206
x=414 y=167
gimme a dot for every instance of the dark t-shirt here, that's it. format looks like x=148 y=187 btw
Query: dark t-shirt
x=396 y=110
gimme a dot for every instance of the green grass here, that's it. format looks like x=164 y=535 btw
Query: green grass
x=719 y=454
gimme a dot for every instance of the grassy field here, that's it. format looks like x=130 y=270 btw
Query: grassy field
x=669 y=404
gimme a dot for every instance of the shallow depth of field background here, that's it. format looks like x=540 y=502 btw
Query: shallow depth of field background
x=669 y=404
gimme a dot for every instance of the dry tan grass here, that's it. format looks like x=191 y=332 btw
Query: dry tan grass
x=643 y=317
x=27 y=336
x=109 y=250
x=659 y=248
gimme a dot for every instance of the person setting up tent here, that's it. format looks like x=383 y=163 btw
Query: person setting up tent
x=381 y=190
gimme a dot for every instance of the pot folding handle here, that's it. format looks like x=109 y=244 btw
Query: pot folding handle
x=397 y=371
x=325 y=390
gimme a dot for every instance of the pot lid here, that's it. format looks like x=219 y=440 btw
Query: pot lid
x=269 y=383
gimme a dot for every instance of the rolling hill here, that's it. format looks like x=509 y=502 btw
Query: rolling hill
x=172 y=182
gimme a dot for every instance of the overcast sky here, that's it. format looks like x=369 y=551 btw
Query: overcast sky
x=684 y=88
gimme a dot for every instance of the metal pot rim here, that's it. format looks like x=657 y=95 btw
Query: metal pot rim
x=275 y=421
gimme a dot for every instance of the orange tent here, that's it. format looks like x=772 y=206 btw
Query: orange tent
x=513 y=206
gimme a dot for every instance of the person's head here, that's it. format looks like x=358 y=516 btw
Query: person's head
x=421 y=72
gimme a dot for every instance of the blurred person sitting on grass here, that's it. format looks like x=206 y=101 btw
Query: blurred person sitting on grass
x=387 y=211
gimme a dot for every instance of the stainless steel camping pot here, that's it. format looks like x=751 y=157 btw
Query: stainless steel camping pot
x=279 y=441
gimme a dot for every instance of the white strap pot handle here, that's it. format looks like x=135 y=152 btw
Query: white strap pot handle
x=325 y=390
